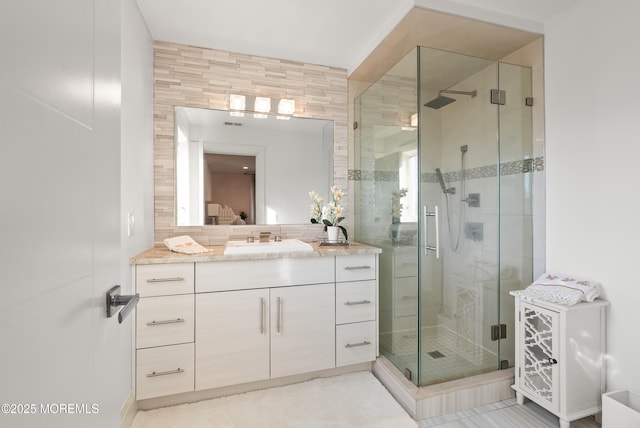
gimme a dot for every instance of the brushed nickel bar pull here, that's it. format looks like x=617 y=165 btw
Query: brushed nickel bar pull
x=437 y=216
x=428 y=247
x=262 y=315
x=357 y=267
x=361 y=302
x=169 y=372
x=161 y=322
x=279 y=315
x=425 y=213
x=174 y=279
x=355 y=345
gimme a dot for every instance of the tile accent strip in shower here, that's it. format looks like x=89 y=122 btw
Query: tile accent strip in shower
x=506 y=168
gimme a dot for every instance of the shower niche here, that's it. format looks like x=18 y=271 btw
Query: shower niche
x=438 y=158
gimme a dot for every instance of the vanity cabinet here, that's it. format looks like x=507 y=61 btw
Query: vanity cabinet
x=214 y=324
x=250 y=335
x=356 y=309
x=164 y=329
x=560 y=357
x=399 y=290
x=240 y=321
x=302 y=329
x=283 y=305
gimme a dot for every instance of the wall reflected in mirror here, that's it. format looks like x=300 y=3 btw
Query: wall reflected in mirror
x=247 y=170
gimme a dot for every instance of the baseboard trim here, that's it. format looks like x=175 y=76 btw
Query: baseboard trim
x=128 y=411
x=191 y=397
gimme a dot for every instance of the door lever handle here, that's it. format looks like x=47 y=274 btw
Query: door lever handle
x=115 y=299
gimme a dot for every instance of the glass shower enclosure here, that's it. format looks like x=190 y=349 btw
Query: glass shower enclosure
x=443 y=157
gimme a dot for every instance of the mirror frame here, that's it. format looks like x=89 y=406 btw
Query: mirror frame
x=195 y=77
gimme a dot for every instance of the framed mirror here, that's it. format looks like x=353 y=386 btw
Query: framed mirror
x=241 y=169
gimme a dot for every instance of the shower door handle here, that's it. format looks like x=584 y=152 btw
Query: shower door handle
x=428 y=247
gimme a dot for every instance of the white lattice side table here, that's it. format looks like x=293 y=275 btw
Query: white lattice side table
x=560 y=354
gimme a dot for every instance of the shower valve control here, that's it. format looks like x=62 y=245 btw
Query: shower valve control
x=473 y=200
x=474 y=231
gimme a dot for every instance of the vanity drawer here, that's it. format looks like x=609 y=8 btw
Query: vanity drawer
x=355 y=301
x=164 y=371
x=405 y=296
x=355 y=268
x=164 y=320
x=355 y=343
x=405 y=263
x=164 y=279
x=246 y=274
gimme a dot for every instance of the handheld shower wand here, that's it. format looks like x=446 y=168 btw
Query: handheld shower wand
x=454 y=242
x=451 y=190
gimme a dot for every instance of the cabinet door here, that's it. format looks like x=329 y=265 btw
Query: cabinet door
x=302 y=329
x=538 y=368
x=232 y=338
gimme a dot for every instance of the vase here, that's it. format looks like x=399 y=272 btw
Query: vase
x=332 y=233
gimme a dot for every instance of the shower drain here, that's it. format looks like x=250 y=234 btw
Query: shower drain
x=435 y=354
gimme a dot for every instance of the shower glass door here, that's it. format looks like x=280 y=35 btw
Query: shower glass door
x=435 y=134
x=459 y=196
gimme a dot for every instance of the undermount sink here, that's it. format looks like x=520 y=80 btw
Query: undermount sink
x=283 y=246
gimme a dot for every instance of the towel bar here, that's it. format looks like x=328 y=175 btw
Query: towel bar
x=115 y=299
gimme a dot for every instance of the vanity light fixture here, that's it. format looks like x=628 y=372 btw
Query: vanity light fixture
x=261 y=106
x=237 y=102
x=413 y=123
x=286 y=106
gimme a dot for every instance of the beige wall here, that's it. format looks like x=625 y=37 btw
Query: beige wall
x=197 y=77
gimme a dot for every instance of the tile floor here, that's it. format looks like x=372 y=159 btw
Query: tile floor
x=504 y=414
x=445 y=355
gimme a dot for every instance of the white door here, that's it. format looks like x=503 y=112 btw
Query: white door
x=63 y=362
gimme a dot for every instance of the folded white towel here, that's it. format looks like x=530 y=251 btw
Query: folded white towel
x=561 y=289
x=184 y=244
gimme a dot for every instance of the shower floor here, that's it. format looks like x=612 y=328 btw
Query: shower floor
x=445 y=355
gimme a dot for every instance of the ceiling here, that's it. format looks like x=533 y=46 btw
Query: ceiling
x=339 y=33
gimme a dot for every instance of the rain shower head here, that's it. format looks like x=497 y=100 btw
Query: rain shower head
x=442 y=101
x=439 y=102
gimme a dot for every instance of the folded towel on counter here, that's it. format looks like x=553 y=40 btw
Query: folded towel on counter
x=184 y=244
x=561 y=289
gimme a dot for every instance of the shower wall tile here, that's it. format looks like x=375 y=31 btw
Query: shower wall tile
x=518 y=229
x=506 y=168
x=515 y=194
x=516 y=270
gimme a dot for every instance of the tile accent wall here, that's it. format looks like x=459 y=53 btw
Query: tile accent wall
x=506 y=168
x=203 y=78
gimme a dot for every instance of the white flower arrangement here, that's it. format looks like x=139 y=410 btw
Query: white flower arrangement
x=330 y=214
x=396 y=206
